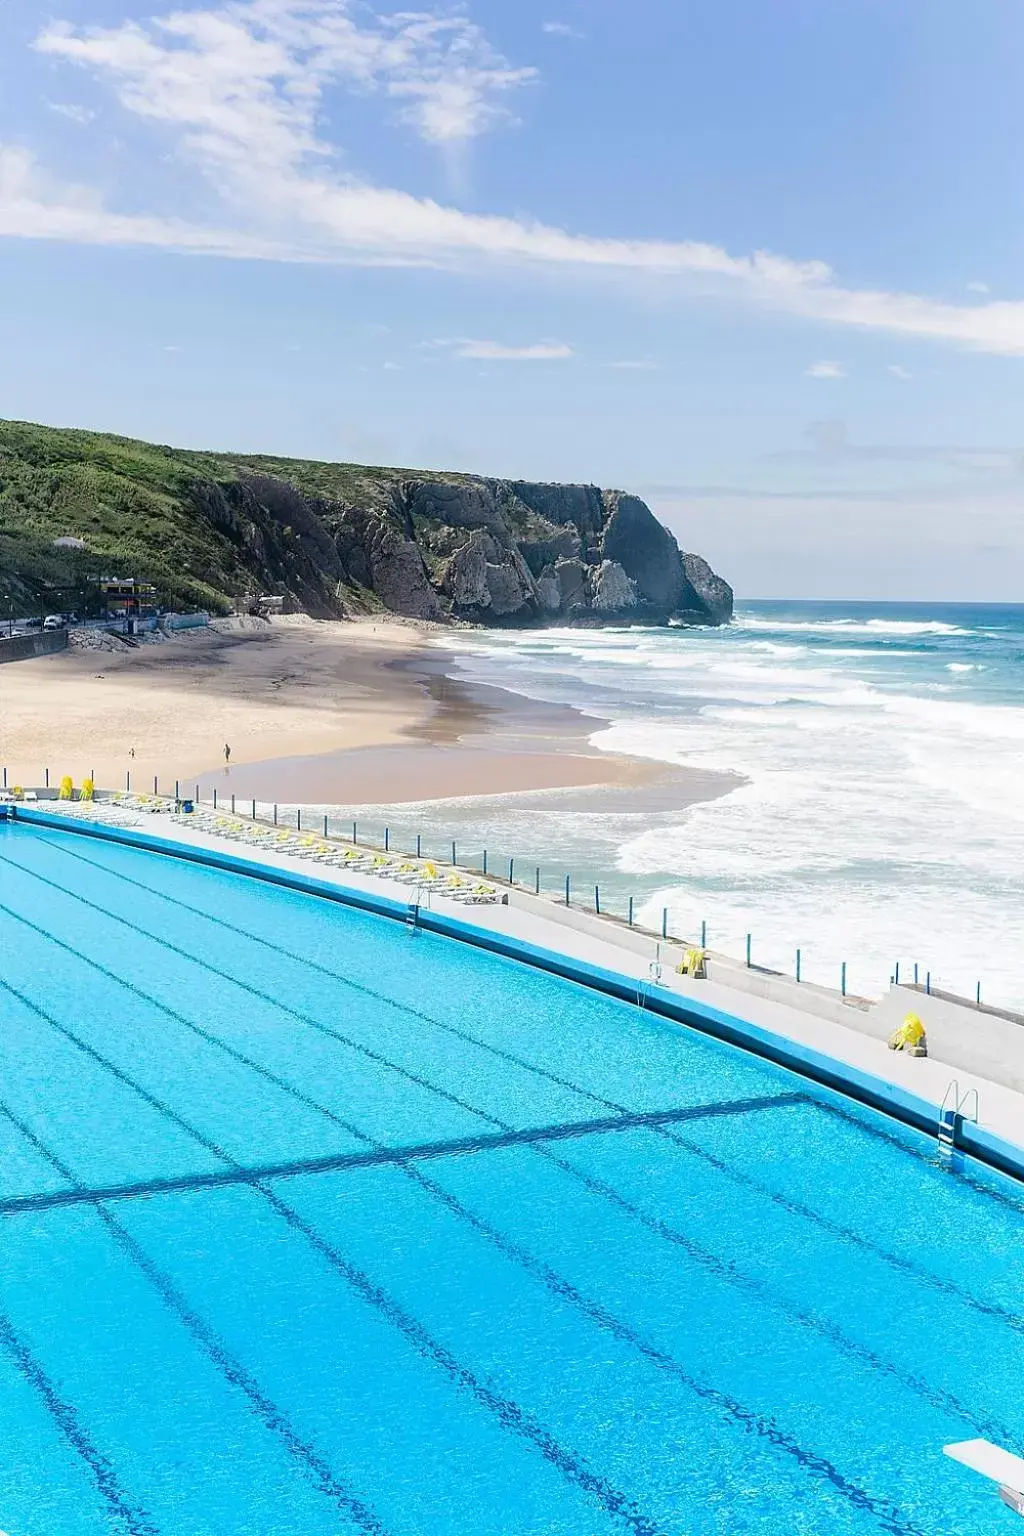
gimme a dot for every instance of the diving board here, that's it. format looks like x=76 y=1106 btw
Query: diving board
x=1000 y=1467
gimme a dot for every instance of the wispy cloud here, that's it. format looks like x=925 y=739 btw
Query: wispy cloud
x=826 y=370
x=634 y=364
x=977 y=287
x=560 y=29
x=899 y=372
x=498 y=352
x=238 y=86
x=72 y=111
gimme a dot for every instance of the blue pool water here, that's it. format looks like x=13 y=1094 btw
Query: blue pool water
x=310 y=1227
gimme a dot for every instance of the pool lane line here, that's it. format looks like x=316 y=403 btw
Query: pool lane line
x=283 y=1083
x=919 y=1154
x=906 y=1266
x=941 y=1283
x=809 y=1461
x=853 y=1349
x=339 y=1162
x=509 y=1413
x=727 y=1271
x=267 y=1411
x=308 y=963
x=502 y=1053
x=122 y=1515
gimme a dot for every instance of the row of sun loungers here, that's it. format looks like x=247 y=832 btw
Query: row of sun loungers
x=421 y=875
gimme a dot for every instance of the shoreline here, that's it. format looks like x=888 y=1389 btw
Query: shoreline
x=349 y=713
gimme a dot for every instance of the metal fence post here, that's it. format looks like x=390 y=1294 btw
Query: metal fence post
x=275 y=813
x=325 y=826
x=454 y=859
x=843 y=979
x=387 y=839
x=703 y=934
x=46 y=775
x=896 y=977
x=485 y=861
x=798 y=965
x=232 y=805
x=977 y=994
x=197 y=792
x=419 y=841
x=156 y=785
x=664 y=922
x=215 y=797
x=177 y=794
x=567 y=890
x=298 y=818
x=915 y=973
x=631 y=911
x=597 y=900
x=254 y=810
x=928 y=983
x=511 y=867
x=748 y=951
x=537 y=882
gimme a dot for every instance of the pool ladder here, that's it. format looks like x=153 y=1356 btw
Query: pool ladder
x=955 y=1107
x=652 y=979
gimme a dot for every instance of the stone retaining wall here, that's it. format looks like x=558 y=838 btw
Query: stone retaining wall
x=23 y=647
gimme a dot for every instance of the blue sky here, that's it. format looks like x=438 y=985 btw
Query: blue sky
x=758 y=260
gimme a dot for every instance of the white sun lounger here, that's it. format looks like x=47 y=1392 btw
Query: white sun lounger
x=1000 y=1467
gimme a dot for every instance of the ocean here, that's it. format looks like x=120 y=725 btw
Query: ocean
x=880 y=816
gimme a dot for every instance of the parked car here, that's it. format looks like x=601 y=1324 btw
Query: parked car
x=53 y=621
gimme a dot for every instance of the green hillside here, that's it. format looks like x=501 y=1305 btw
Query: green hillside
x=143 y=510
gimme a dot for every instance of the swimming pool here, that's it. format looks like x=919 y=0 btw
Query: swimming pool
x=310 y=1227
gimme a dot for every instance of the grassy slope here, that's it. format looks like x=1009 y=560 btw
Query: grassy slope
x=130 y=501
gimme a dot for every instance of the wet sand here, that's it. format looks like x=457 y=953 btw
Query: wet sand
x=345 y=714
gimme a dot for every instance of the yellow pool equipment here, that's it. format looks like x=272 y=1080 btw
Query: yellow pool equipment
x=910 y=1037
x=693 y=964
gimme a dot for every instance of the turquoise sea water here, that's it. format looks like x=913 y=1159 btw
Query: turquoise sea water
x=308 y=1226
x=881 y=817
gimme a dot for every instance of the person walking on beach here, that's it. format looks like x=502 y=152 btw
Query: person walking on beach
x=227 y=753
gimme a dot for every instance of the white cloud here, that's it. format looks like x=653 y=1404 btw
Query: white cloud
x=826 y=370
x=496 y=352
x=560 y=29
x=35 y=207
x=72 y=111
x=246 y=76
x=239 y=86
x=634 y=364
x=899 y=372
x=977 y=287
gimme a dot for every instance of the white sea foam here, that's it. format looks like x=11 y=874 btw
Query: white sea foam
x=883 y=813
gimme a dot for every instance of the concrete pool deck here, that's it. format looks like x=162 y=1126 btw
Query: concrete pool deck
x=980 y=1053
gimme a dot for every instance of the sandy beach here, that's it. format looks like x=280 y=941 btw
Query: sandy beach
x=314 y=712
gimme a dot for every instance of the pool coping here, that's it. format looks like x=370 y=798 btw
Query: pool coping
x=804 y=1061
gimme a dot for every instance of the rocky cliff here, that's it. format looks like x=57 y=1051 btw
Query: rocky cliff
x=335 y=539
x=514 y=552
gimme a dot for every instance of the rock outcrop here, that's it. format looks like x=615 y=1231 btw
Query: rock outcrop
x=517 y=553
